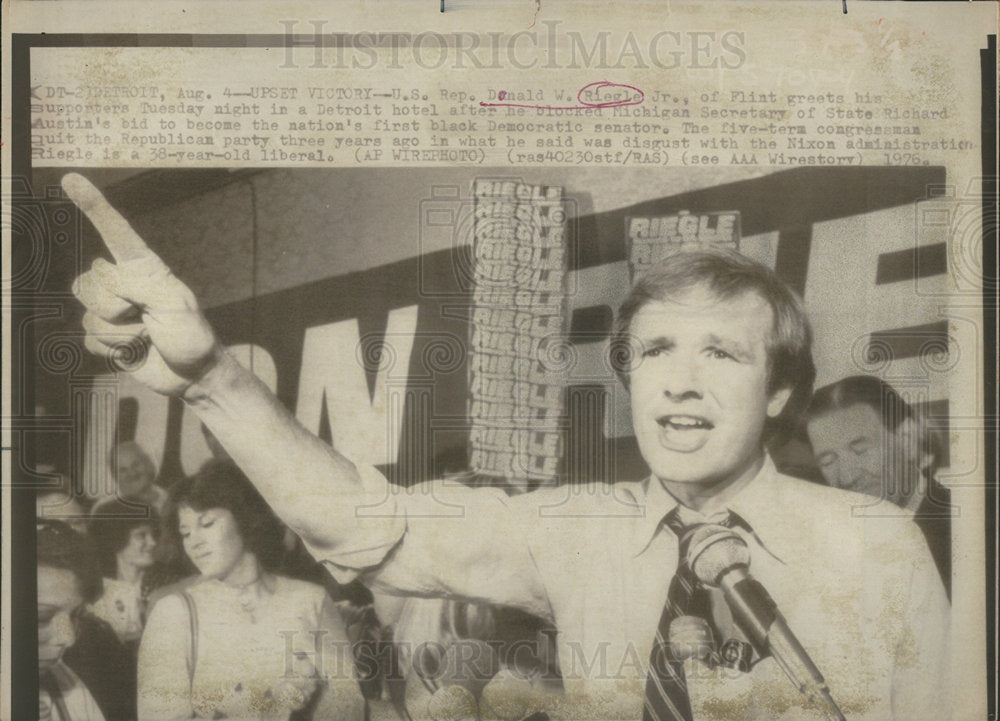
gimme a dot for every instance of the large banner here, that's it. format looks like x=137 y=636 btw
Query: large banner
x=387 y=363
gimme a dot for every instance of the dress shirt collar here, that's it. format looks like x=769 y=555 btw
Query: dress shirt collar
x=758 y=504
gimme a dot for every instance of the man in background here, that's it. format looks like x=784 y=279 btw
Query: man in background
x=135 y=477
x=867 y=439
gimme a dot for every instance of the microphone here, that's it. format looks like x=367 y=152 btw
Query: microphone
x=720 y=558
x=453 y=703
x=510 y=697
x=691 y=637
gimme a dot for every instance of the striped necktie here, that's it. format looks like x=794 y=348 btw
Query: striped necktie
x=666 y=690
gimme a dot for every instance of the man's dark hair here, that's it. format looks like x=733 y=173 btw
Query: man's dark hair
x=730 y=275
x=868 y=390
x=59 y=546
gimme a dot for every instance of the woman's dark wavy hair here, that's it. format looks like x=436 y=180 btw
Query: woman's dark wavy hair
x=59 y=546
x=729 y=275
x=112 y=528
x=221 y=484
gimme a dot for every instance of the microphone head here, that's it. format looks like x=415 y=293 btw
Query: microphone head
x=713 y=550
x=453 y=703
x=469 y=663
x=509 y=697
x=691 y=637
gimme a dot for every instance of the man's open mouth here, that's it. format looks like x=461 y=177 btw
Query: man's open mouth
x=684 y=422
x=683 y=432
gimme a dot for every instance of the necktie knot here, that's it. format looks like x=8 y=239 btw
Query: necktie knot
x=684 y=523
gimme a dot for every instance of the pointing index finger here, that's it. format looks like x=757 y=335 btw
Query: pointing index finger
x=123 y=242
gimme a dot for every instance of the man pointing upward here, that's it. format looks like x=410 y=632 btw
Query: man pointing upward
x=715 y=349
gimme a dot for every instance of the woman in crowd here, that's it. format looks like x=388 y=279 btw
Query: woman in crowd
x=125 y=544
x=68 y=578
x=241 y=641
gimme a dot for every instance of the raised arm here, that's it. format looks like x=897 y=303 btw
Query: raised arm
x=143 y=317
x=463 y=543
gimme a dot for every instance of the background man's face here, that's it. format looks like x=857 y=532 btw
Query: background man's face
x=59 y=600
x=849 y=445
x=133 y=471
x=699 y=386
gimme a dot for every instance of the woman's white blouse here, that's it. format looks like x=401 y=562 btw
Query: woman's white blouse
x=255 y=647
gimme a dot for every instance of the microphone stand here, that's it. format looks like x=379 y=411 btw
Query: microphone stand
x=720 y=558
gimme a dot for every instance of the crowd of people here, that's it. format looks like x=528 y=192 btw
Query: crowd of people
x=198 y=602
x=181 y=615
x=233 y=620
